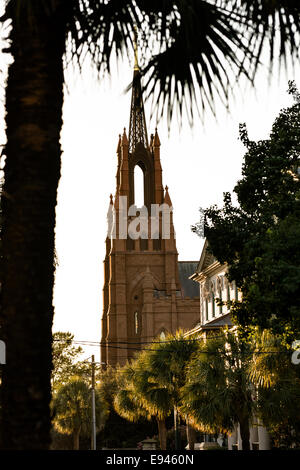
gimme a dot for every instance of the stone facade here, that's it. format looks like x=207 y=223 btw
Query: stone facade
x=147 y=292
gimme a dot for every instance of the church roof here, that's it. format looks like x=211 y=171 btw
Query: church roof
x=215 y=324
x=224 y=320
x=189 y=287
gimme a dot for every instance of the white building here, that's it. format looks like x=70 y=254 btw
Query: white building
x=215 y=287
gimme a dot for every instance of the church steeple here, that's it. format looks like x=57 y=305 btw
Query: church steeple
x=142 y=291
x=137 y=123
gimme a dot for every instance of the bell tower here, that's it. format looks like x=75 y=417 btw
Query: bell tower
x=143 y=296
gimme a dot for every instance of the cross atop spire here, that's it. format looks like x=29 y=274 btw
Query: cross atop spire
x=137 y=123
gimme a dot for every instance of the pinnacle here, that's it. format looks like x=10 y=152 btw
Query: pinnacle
x=156 y=139
x=119 y=143
x=124 y=137
x=167 y=199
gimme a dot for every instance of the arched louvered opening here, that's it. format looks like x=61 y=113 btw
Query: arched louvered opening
x=139 y=190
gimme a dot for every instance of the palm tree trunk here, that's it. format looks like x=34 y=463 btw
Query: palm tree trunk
x=191 y=435
x=76 y=435
x=34 y=98
x=245 y=432
x=176 y=429
x=162 y=433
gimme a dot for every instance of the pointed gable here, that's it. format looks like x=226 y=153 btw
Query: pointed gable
x=206 y=258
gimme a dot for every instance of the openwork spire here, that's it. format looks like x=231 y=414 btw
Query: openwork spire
x=137 y=123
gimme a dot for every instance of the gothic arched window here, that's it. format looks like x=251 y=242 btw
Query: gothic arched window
x=136 y=322
x=138 y=186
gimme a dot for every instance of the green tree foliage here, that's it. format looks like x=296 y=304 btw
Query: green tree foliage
x=260 y=238
x=71 y=382
x=277 y=381
x=229 y=378
x=140 y=395
x=65 y=359
x=150 y=385
x=218 y=393
x=131 y=423
x=167 y=361
x=108 y=385
x=72 y=409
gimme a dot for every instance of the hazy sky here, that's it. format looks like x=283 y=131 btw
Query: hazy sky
x=198 y=166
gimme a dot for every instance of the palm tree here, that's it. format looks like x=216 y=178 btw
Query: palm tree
x=125 y=400
x=72 y=409
x=153 y=395
x=140 y=396
x=278 y=387
x=218 y=393
x=203 y=34
x=166 y=363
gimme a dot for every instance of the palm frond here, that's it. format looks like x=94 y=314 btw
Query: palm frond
x=202 y=47
x=273 y=21
x=196 y=65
